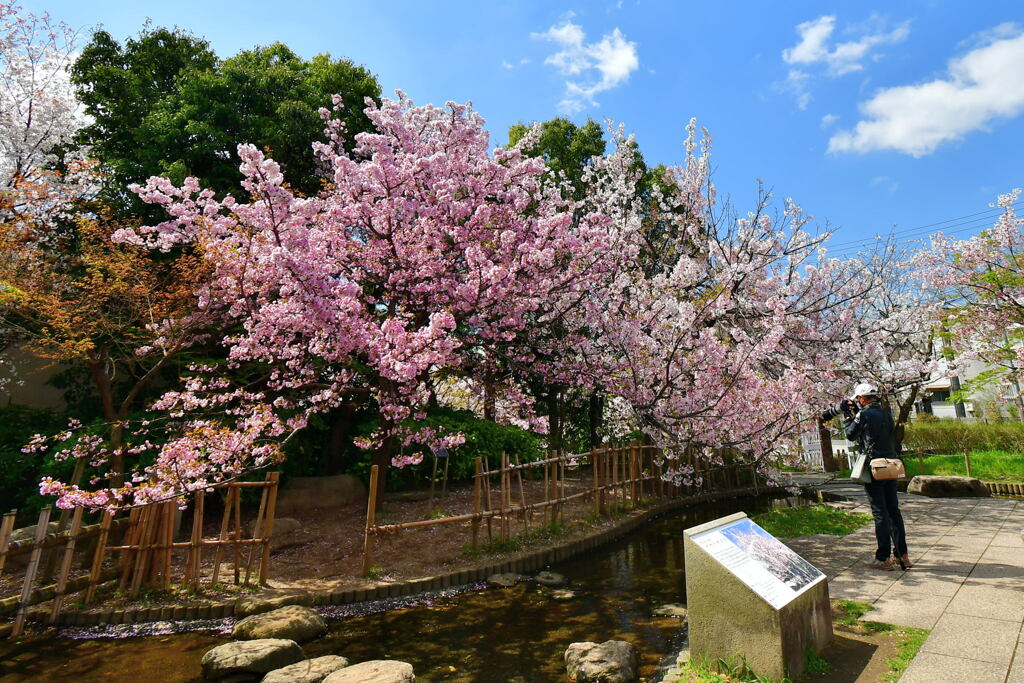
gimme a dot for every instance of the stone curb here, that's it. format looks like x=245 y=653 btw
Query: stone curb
x=528 y=562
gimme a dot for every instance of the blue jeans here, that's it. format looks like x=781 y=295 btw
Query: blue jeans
x=885 y=508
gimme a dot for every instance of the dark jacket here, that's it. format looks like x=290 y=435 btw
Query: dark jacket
x=873 y=430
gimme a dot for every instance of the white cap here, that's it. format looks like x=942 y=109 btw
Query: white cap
x=865 y=389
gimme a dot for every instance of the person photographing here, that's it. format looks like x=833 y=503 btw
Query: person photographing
x=871 y=427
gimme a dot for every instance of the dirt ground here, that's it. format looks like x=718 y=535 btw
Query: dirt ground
x=326 y=551
x=329 y=553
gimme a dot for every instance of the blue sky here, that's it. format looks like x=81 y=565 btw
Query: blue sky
x=872 y=117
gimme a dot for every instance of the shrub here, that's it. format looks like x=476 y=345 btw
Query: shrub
x=483 y=439
x=20 y=472
x=953 y=436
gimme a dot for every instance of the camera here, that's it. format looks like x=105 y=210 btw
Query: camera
x=847 y=408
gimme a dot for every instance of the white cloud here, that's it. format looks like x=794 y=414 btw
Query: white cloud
x=506 y=65
x=828 y=119
x=840 y=58
x=601 y=66
x=985 y=83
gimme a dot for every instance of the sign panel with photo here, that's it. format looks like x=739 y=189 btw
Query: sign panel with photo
x=760 y=560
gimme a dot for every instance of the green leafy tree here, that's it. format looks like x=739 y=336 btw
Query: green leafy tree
x=164 y=104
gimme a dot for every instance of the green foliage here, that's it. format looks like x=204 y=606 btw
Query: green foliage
x=698 y=670
x=806 y=521
x=375 y=573
x=986 y=465
x=816 y=666
x=20 y=472
x=953 y=436
x=484 y=439
x=908 y=640
x=566 y=147
x=164 y=104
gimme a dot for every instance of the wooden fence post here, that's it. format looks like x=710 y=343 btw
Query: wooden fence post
x=195 y=549
x=218 y=555
x=371 y=517
x=97 y=559
x=65 y=564
x=490 y=508
x=6 y=529
x=595 y=459
x=268 y=526
x=967 y=460
x=476 y=505
x=42 y=527
x=522 y=497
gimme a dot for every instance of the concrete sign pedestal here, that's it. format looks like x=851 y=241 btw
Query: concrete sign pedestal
x=751 y=598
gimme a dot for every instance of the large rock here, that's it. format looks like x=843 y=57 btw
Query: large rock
x=250 y=657
x=506 y=580
x=293 y=622
x=553 y=579
x=270 y=600
x=671 y=609
x=374 y=671
x=308 y=671
x=303 y=494
x=936 y=486
x=613 y=661
x=283 y=535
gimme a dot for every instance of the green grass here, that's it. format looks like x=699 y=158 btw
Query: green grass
x=816 y=519
x=723 y=672
x=989 y=465
x=908 y=640
x=816 y=666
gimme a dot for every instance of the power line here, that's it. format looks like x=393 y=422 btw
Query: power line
x=988 y=214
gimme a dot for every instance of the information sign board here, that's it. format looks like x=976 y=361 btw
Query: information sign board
x=759 y=560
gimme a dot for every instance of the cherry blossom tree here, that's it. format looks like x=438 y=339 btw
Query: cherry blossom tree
x=426 y=251
x=982 y=282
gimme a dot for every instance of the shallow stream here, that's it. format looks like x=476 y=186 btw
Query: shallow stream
x=482 y=636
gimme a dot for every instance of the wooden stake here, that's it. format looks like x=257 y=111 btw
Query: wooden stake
x=487 y=485
x=547 y=491
x=65 y=565
x=42 y=527
x=6 y=529
x=476 y=505
x=195 y=550
x=50 y=563
x=145 y=543
x=268 y=526
x=522 y=497
x=371 y=518
x=238 y=534
x=223 y=536
x=503 y=493
x=595 y=466
x=172 y=509
x=97 y=558
x=130 y=539
x=967 y=460
x=257 y=531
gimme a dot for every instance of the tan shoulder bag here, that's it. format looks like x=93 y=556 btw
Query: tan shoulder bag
x=884 y=469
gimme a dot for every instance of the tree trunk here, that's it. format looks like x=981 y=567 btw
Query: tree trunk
x=382 y=459
x=489 y=398
x=904 y=416
x=828 y=462
x=596 y=418
x=98 y=371
x=554 y=419
x=341 y=419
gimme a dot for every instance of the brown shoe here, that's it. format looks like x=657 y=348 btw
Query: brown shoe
x=906 y=561
x=885 y=565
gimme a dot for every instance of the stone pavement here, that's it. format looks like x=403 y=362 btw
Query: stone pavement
x=966 y=584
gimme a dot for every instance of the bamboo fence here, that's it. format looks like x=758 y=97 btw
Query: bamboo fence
x=620 y=476
x=145 y=553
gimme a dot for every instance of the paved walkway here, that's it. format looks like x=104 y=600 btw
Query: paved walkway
x=966 y=585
